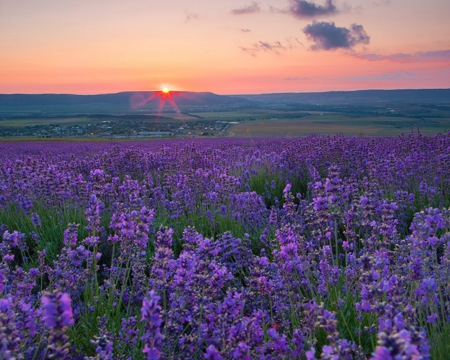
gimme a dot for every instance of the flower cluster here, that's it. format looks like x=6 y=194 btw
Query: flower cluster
x=318 y=248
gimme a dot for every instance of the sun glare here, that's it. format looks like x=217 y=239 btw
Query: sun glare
x=165 y=94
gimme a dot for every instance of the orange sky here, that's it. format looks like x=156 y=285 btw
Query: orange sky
x=227 y=47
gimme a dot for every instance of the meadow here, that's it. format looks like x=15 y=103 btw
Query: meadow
x=320 y=247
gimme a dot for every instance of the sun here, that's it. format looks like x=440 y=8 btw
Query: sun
x=165 y=94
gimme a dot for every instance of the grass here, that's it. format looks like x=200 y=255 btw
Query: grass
x=439 y=341
x=54 y=221
x=271 y=186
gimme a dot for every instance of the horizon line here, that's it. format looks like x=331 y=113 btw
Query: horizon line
x=228 y=94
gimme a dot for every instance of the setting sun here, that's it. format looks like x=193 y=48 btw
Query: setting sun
x=165 y=90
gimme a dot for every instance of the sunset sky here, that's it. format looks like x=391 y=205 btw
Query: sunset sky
x=226 y=47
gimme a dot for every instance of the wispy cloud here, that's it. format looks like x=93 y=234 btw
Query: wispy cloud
x=365 y=6
x=245 y=30
x=390 y=76
x=424 y=76
x=265 y=46
x=248 y=9
x=293 y=43
x=382 y=3
x=190 y=16
x=275 y=47
x=328 y=36
x=296 y=78
x=423 y=56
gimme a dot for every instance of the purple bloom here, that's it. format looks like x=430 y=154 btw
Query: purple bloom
x=57 y=310
x=36 y=220
x=2 y=280
x=71 y=235
x=212 y=353
x=427 y=287
x=310 y=354
x=152 y=322
x=368 y=235
x=57 y=316
x=432 y=318
x=91 y=241
x=397 y=345
x=103 y=343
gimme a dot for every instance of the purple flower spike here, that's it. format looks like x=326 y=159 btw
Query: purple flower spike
x=57 y=316
x=310 y=354
x=432 y=318
x=36 y=220
x=70 y=235
x=152 y=322
x=2 y=280
x=57 y=310
x=212 y=353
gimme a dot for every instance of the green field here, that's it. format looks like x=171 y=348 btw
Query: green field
x=44 y=121
x=249 y=114
x=331 y=124
x=252 y=122
x=81 y=120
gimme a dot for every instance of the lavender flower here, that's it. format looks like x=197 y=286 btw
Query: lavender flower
x=70 y=235
x=36 y=220
x=152 y=323
x=241 y=268
x=58 y=317
x=57 y=310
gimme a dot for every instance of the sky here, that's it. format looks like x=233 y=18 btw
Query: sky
x=225 y=47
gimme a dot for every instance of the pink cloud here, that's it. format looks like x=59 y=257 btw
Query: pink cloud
x=423 y=56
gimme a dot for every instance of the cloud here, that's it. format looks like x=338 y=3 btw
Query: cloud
x=306 y=10
x=391 y=76
x=328 y=36
x=190 y=16
x=423 y=56
x=275 y=47
x=365 y=7
x=382 y=3
x=296 y=78
x=245 y=30
x=249 y=9
x=293 y=43
x=422 y=78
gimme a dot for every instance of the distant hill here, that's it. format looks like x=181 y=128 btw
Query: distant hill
x=133 y=102
x=112 y=103
x=420 y=96
x=123 y=98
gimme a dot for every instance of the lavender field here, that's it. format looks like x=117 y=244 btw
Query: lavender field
x=325 y=247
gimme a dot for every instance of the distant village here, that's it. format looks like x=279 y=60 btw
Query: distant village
x=121 y=129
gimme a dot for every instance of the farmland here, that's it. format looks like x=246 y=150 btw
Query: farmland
x=337 y=123
x=115 y=116
x=243 y=123
x=320 y=246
